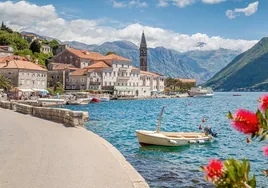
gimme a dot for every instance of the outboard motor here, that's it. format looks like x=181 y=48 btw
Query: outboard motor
x=208 y=131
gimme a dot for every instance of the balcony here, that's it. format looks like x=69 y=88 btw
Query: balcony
x=123 y=77
x=94 y=83
x=123 y=69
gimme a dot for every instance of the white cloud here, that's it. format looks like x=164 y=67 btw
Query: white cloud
x=249 y=10
x=212 y=1
x=162 y=3
x=116 y=4
x=136 y=3
x=183 y=3
x=97 y=31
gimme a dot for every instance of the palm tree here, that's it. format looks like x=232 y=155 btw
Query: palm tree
x=5 y=83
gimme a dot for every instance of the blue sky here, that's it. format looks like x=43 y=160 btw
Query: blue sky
x=197 y=20
x=198 y=17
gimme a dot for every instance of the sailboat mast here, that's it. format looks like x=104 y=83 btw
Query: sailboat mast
x=159 y=120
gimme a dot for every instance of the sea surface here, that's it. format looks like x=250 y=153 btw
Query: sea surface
x=116 y=121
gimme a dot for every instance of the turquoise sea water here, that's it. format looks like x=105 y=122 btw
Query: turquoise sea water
x=116 y=121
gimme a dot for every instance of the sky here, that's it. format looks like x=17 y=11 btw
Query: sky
x=176 y=24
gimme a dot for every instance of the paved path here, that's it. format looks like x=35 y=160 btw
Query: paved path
x=36 y=153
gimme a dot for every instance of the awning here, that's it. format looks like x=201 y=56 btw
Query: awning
x=41 y=90
x=25 y=90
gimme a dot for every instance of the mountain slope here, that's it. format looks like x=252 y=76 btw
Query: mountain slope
x=201 y=65
x=247 y=71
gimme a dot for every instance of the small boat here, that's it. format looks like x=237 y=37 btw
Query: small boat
x=104 y=98
x=95 y=100
x=207 y=95
x=172 y=138
x=83 y=101
x=236 y=95
x=201 y=92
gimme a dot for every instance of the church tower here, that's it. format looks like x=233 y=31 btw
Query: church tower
x=143 y=54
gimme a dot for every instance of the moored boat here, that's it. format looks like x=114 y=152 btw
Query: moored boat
x=172 y=138
x=83 y=101
x=201 y=92
x=95 y=100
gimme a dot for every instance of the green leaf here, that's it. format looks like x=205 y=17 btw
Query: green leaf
x=265 y=136
x=266 y=113
x=252 y=182
x=229 y=115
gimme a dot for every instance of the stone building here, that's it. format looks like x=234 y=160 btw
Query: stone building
x=61 y=48
x=46 y=49
x=57 y=73
x=78 y=58
x=6 y=51
x=24 y=74
x=29 y=37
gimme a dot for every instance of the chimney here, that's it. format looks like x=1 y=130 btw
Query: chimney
x=7 y=63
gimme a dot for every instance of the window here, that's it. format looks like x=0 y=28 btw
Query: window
x=105 y=83
x=114 y=73
x=109 y=83
x=52 y=76
x=110 y=74
x=105 y=73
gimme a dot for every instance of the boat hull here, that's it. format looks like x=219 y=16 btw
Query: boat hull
x=95 y=100
x=170 y=138
x=204 y=96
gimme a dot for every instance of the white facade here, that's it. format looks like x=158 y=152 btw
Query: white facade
x=125 y=80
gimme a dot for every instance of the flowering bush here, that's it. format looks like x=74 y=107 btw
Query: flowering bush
x=235 y=173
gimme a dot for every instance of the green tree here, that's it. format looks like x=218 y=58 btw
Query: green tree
x=5 y=28
x=5 y=83
x=35 y=46
x=108 y=53
x=58 y=88
x=14 y=39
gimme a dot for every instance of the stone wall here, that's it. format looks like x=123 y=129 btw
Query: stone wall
x=61 y=115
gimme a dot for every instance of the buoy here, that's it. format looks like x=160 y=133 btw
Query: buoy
x=248 y=140
x=200 y=127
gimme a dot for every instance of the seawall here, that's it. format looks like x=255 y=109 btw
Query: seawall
x=60 y=115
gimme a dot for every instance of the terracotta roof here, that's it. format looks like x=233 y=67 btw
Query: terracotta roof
x=78 y=72
x=19 y=64
x=150 y=73
x=62 y=66
x=12 y=57
x=98 y=64
x=85 y=54
x=115 y=57
x=135 y=68
x=186 y=80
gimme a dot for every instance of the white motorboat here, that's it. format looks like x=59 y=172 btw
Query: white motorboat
x=207 y=95
x=201 y=92
x=104 y=98
x=82 y=101
x=172 y=138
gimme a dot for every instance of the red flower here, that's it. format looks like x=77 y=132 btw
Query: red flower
x=264 y=102
x=265 y=150
x=214 y=168
x=246 y=122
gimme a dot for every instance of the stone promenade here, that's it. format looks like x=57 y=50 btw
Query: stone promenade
x=36 y=153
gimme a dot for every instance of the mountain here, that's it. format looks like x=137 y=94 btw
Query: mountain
x=248 y=71
x=200 y=65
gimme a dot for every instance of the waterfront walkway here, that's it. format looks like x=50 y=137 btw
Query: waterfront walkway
x=36 y=153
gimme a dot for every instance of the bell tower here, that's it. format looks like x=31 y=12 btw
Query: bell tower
x=143 y=54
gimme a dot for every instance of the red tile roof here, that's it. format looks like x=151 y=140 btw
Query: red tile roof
x=12 y=57
x=98 y=64
x=115 y=57
x=62 y=66
x=78 y=72
x=150 y=73
x=85 y=54
x=20 y=64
